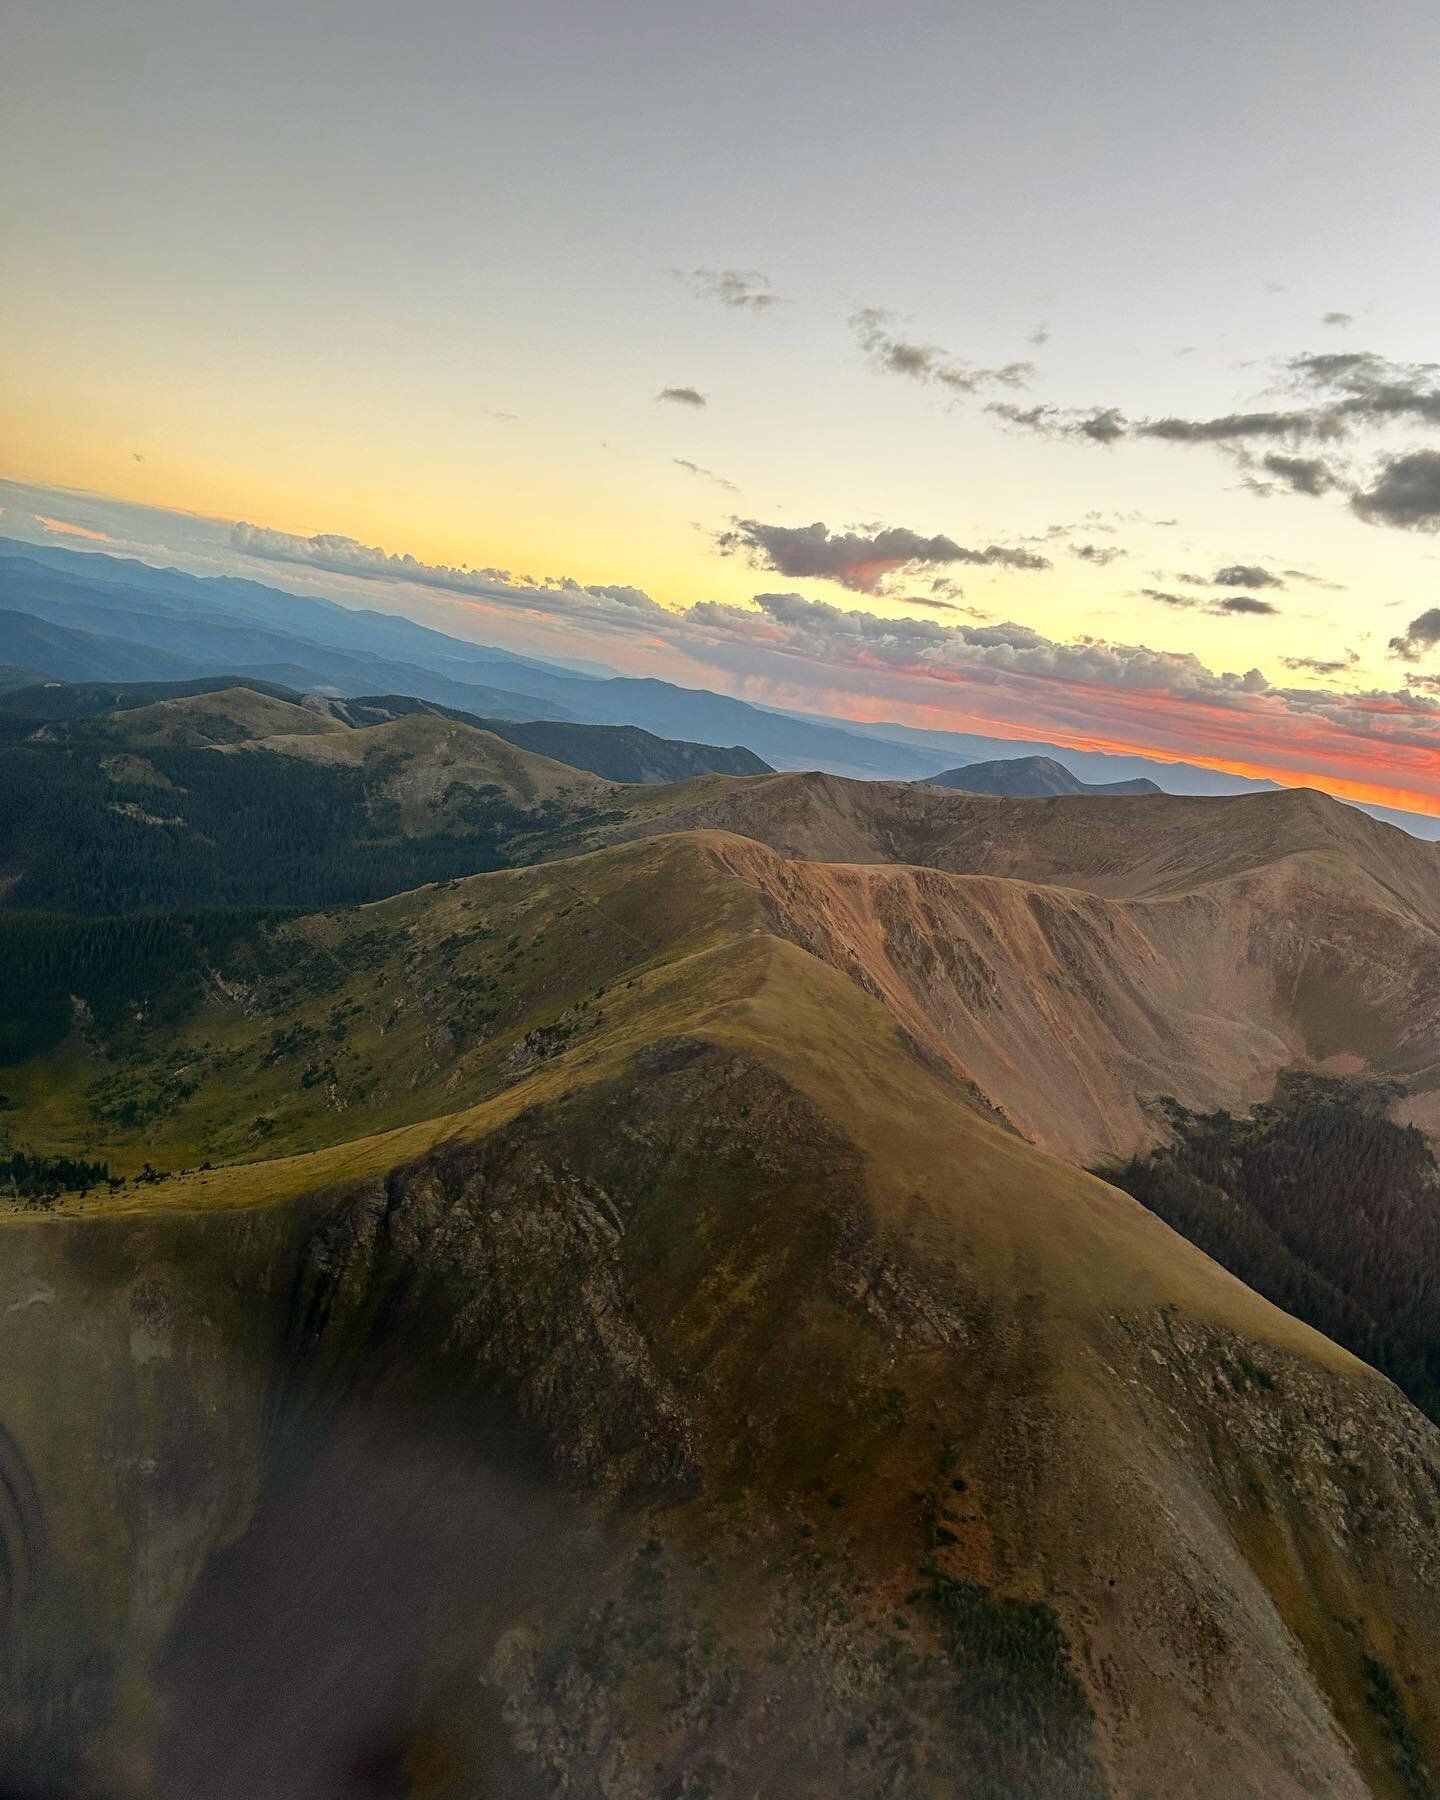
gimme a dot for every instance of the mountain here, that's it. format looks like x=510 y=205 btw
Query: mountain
x=172 y=625
x=625 y=753
x=125 y=622
x=787 y=741
x=1032 y=777
x=175 y=805
x=80 y=655
x=621 y=753
x=611 y=1343
x=42 y=701
x=212 y=793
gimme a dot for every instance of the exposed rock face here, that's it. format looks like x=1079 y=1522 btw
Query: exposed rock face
x=1073 y=1013
x=637 y=1449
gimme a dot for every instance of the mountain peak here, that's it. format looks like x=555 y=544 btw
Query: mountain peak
x=1030 y=777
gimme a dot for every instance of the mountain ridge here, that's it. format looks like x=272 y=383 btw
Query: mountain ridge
x=1032 y=777
x=973 y=1376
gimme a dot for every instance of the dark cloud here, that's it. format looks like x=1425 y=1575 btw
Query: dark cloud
x=1231 y=606
x=857 y=560
x=1420 y=635
x=1301 y=474
x=1368 y=389
x=934 y=603
x=1232 y=428
x=1342 y=319
x=1245 y=575
x=1406 y=493
x=693 y=468
x=683 y=396
x=1101 y=425
x=1317 y=665
x=1098 y=554
x=1343 y=392
x=1335 y=587
x=1106 y=424
x=746 y=289
x=928 y=362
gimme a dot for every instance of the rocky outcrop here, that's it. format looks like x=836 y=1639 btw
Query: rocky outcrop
x=638 y=1448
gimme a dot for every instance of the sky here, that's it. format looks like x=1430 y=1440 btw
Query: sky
x=1044 y=369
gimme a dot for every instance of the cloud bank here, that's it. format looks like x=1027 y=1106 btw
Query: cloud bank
x=857 y=560
x=998 y=677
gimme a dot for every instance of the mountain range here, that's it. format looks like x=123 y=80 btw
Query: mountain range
x=85 y=616
x=529 y=1283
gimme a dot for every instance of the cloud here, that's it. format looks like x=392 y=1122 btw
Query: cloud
x=1040 y=335
x=1369 y=389
x=1301 y=474
x=1014 y=681
x=1243 y=603
x=1316 y=665
x=1420 y=635
x=1231 y=605
x=68 y=528
x=1248 y=575
x=1343 y=392
x=745 y=289
x=1098 y=554
x=601 y=603
x=928 y=362
x=941 y=650
x=1107 y=424
x=1342 y=319
x=683 y=396
x=858 y=560
x=1238 y=427
x=1406 y=493
x=692 y=468
x=1100 y=425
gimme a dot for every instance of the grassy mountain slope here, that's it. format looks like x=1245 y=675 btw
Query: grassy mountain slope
x=178 y=805
x=1072 y=971
x=616 y=752
x=626 y=753
x=828 y=1437
x=223 y=716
